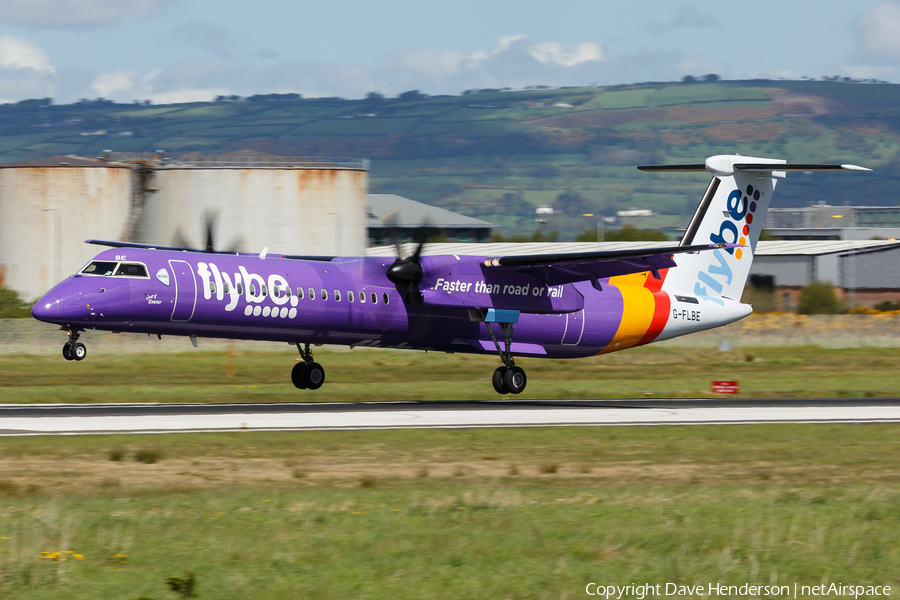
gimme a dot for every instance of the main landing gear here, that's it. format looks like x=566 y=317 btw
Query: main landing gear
x=73 y=349
x=508 y=379
x=307 y=375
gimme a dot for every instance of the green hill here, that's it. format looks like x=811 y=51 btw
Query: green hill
x=497 y=155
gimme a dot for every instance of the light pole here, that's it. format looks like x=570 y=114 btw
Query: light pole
x=601 y=227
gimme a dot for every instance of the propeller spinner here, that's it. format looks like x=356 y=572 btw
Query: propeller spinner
x=407 y=271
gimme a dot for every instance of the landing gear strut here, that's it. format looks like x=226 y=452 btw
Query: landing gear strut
x=508 y=379
x=73 y=349
x=307 y=374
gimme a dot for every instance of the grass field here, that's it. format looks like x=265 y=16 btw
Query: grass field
x=364 y=374
x=506 y=513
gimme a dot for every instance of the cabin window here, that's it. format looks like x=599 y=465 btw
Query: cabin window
x=374 y=298
x=362 y=297
x=300 y=293
x=350 y=296
x=337 y=295
x=312 y=294
x=324 y=294
x=100 y=267
x=226 y=287
x=265 y=290
x=240 y=289
x=212 y=287
x=131 y=270
x=252 y=289
x=386 y=298
x=276 y=293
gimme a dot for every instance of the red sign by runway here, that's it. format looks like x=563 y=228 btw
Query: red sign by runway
x=725 y=387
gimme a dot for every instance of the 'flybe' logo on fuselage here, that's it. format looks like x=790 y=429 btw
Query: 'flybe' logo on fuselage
x=252 y=285
x=734 y=229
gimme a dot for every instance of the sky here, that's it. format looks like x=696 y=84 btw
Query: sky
x=194 y=50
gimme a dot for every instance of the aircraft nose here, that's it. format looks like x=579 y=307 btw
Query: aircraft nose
x=47 y=308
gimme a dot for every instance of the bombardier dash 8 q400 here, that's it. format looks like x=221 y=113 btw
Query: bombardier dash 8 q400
x=551 y=305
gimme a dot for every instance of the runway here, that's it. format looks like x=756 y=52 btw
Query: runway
x=74 y=419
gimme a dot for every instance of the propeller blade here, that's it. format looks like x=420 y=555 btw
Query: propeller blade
x=408 y=271
x=391 y=221
x=424 y=233
x=236 y=246
x=179 y=240
x=210 y=219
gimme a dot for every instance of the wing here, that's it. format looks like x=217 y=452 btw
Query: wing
x=556 y=269
x=201 y=250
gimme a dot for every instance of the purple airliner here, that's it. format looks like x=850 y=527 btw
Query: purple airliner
x=553 y=305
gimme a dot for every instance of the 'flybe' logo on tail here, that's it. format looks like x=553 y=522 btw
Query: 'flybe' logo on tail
x=734 y=229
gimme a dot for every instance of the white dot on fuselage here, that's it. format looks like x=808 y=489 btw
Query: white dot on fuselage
x=266 y=311
x=294 y=300
x=248 y=310
x=284 y=312
x=256 y=310
x=292 y=313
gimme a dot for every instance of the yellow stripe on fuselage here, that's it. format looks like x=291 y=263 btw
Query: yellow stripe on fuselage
x=637 y=311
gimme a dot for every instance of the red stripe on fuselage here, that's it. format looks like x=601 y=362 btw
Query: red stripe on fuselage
x=661 y=306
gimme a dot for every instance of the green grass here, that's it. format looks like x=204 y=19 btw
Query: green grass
x=370 y=375
x=449 y=514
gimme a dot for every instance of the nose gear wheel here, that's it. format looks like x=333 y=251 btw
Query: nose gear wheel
x=73 y=349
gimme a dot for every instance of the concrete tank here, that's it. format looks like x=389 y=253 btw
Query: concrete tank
x=291 y=206
x=48 y=207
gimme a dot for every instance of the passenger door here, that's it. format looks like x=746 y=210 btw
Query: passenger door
x=185 y=291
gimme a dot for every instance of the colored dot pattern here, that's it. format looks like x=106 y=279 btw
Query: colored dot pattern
x=750 y=200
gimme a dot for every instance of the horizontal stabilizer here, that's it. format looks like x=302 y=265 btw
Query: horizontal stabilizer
x=724 y=165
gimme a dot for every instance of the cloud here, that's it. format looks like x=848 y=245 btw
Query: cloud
x=107 y=84
x=76 y=14
x=703 y=64
x=516 y=61
x=567 y=56
x=687 y=17
x=24 y=70
x=215 y=40
x=878 y=47
x=17 y=53
x=877 y=30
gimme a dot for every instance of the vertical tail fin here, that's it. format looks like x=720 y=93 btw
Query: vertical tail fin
x=733 y=210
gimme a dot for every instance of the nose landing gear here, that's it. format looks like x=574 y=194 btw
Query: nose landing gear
x=73 y=349
x=307 y=375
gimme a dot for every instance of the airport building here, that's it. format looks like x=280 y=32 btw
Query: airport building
x=411 y=216
x=826 y=222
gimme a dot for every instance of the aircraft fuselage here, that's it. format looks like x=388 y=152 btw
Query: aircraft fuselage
x=349 y=301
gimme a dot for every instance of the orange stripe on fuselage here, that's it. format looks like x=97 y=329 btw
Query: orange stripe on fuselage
x=661 y=309
x=645 y=310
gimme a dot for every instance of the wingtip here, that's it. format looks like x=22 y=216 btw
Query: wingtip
x=854 y=168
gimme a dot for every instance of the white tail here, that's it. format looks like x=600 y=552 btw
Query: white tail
x=733 y=210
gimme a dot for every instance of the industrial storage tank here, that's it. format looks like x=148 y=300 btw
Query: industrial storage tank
x=48 y=207
x=289 y=205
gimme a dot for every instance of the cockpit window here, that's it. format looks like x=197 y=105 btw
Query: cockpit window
x=131 y=270
x=100 y=267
